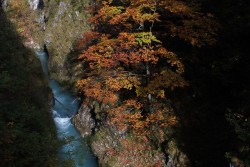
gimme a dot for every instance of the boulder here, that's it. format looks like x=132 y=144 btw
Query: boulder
x=83 y=121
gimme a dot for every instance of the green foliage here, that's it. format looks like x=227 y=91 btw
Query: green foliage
x=144 y=38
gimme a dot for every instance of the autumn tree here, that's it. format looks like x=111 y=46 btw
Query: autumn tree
x=128 y=68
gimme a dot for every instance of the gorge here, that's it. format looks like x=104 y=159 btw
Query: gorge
x=65 y=106
x=140 y=83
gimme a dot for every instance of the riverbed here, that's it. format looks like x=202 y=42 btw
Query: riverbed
x=74 y=148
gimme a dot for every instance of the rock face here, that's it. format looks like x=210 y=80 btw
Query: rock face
x=119 y=148
x=176 y=158
x=54 y=24
x=66 y=21
x=125 y=150
x=113 y=147
x=84 y=121
x=28 y=134
x=58 y=25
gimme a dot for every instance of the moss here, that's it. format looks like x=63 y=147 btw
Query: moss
x=128 y=150
x=66 y=22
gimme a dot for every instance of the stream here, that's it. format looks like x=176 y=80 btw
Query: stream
x=74 y=149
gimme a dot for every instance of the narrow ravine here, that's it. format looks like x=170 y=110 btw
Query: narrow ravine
x=75 y=148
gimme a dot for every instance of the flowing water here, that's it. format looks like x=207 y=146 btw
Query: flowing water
x=34 y=4
x=75 y=148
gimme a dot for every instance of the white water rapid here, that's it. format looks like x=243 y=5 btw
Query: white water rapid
x=75 y=148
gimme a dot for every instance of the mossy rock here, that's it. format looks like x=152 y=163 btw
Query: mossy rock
x=66 y=22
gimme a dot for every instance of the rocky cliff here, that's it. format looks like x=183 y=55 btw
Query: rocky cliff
x=117 y=148
x=28 y=134
x=66 y=21
x=54 y=26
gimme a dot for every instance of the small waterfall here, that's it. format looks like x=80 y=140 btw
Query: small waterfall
x=42 y=21
x=43 y=57
x=231 y=165
x=4 y=5
x=34 y=4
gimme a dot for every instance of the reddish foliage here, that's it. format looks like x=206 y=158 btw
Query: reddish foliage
x=132 y=59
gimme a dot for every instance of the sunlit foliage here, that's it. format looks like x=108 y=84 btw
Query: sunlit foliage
x=123 y=55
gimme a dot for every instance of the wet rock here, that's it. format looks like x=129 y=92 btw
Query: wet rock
x=83 y=121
